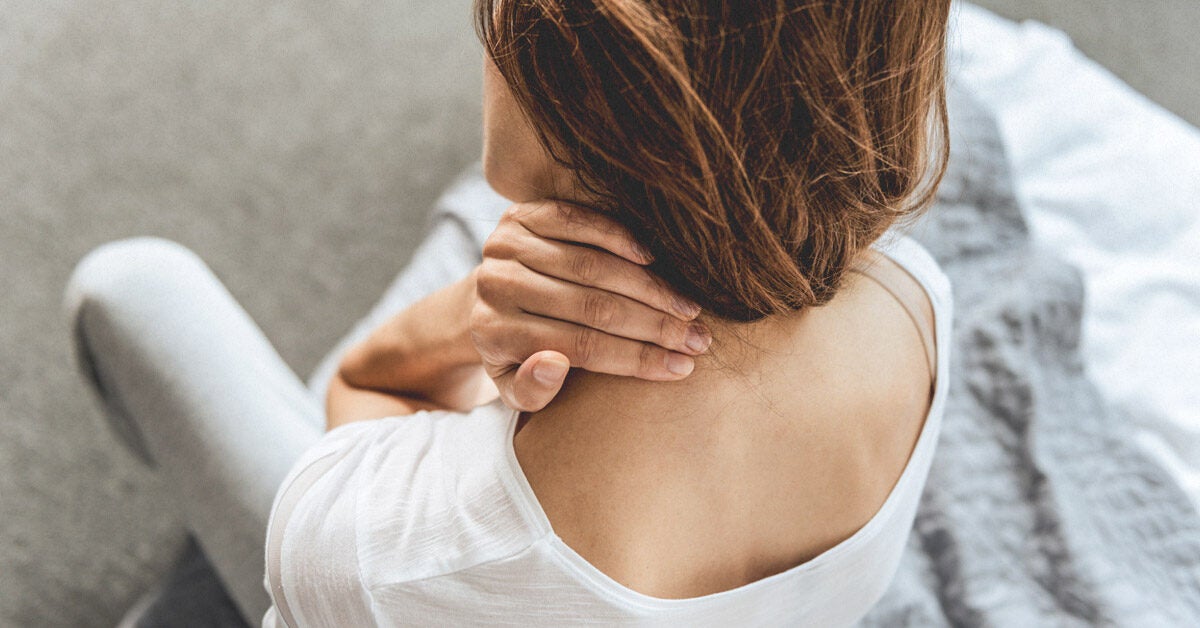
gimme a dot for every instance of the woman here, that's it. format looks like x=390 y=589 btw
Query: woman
x=764 y=462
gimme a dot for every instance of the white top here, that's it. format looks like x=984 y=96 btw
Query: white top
x=428 y=519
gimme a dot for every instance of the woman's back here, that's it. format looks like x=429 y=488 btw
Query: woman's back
x=752 y=465
x=432 y=519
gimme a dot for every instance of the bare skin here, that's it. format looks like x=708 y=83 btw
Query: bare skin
x=736 y=473
x=780 y=441
x=559 y=287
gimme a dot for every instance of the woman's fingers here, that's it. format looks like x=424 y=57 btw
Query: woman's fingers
x=562 y=286
x=600 y=269
x=611 y=313
x=535 y=383
x=568 y=223
x=584 y=347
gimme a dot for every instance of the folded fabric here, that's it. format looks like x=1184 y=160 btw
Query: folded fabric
x=1111 y=182
x=1039 y=509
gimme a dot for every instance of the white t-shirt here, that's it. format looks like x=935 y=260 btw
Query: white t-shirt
x=428 y=520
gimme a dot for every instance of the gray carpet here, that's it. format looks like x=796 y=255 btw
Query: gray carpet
x=295 y=147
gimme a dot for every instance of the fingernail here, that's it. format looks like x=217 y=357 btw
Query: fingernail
x=550 y=371
x=680 y=364
x=686 y=308
x=698 y=338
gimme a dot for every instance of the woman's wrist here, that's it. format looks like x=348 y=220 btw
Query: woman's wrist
x=436 y=330
x=420 y=350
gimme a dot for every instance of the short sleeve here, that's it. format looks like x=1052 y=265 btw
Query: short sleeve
x=390 y=501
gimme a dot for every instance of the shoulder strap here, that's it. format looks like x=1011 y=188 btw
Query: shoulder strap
x=907 y=291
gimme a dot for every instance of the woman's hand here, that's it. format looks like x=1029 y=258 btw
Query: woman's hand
x=561 y=286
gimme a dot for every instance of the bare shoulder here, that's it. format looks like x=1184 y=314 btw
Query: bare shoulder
x=889 y=374
x=690 y=488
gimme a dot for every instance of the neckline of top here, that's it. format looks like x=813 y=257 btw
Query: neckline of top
x=924 y=269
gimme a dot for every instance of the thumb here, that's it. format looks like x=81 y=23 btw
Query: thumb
x=534 y=385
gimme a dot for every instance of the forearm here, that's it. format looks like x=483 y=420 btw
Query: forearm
x=424 y=353
x=347 y=404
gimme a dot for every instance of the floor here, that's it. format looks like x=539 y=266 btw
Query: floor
x=295 y=147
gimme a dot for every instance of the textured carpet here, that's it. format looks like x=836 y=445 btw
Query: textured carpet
x=295 y=147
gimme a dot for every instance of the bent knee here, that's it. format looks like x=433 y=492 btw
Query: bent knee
x=128 y=273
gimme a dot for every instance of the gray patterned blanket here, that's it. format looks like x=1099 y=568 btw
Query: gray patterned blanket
x=1039 y=510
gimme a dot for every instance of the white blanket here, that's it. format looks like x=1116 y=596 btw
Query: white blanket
x=1109 y=181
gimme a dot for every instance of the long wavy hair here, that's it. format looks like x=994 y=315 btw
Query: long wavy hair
x=753 y=146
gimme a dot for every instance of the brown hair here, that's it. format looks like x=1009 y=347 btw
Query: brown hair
x=753 y=146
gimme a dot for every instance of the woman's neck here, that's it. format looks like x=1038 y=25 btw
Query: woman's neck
x=747 y=365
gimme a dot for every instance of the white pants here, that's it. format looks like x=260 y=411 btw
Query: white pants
x=193 y=387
